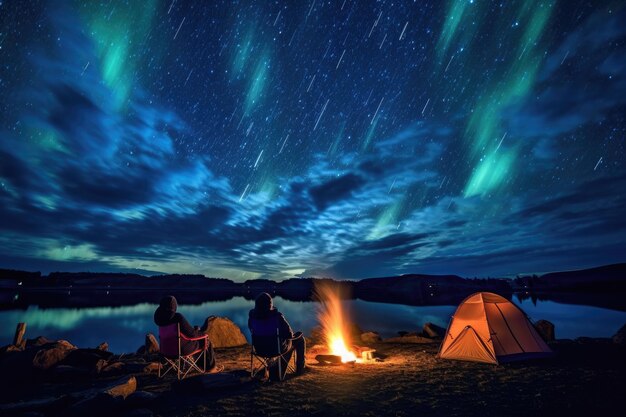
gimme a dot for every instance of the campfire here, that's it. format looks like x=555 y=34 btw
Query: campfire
x=335 y=325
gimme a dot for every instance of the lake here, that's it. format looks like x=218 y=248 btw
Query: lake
x=124 y=327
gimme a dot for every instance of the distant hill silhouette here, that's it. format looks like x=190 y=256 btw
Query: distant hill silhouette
x=603 y=286
x=605 y=278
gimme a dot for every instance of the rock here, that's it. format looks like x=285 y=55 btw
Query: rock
x=51 y=354
x=402 y=333
x=213 y=382
x=370 y=337
x=141 y=350
x=38 y=341
x=102 y=401
x=224 y=333
x=620 y=336
x=104 y=346
x=152 y=367
x=112 y=368
x=9 y=348
x=433 y=331
x=545 y=330
x=151 y=345
x=139 y=399
x=123 y=388
x=415 y=339
x=92 y=359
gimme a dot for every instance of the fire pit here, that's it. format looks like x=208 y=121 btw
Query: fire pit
x=367 y=355
x=335 y=330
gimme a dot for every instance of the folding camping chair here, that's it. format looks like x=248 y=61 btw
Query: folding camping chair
x=266 y=350
x=170 y=342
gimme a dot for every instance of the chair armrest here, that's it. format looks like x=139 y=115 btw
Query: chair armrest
x=182 y=336
x=296 y=336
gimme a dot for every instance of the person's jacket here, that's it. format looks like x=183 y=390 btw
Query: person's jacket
x=166 y=314
x=263 y=326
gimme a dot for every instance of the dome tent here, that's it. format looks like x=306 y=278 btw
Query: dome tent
x=489 y=328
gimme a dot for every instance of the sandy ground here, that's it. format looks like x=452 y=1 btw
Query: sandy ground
x=583 y=379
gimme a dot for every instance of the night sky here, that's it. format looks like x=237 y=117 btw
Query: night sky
x=346 y=138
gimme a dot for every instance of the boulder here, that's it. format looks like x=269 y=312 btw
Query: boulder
x=90 y=359
x=545 y=330
x=370 y=337
x=620 y=336
x=51 y=354
x=224 y=333
x=151 y=345
x=433 y=331
x=104 y=346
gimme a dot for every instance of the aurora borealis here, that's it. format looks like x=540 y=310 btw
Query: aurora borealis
x=348 y=139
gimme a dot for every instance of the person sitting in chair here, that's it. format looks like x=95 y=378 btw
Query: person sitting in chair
x=263 y=319
x=166 y=314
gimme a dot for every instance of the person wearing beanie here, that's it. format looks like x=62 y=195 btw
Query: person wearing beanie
x=166 y=314
x=264 y=319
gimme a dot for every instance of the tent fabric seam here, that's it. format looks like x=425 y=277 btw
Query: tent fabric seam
x=509 y=328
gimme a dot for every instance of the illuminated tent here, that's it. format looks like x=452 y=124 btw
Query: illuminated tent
x=489 y=328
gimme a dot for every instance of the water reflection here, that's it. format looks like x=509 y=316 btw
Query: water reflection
x=124 y=327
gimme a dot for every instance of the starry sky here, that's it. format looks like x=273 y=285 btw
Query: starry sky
x=350 y=139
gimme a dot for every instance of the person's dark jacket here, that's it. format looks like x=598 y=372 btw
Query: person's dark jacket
x=166 y=314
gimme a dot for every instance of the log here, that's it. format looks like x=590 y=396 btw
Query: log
x=328 y=359
x=18 y=339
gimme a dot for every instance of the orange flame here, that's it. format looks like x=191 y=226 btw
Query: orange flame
x=331 y=317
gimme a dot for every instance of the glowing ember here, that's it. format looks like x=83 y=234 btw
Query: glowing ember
x=333 y=322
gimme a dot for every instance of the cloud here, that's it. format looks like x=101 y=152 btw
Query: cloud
x=335 y=189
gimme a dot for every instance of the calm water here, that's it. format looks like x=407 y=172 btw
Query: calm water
x=124 y=328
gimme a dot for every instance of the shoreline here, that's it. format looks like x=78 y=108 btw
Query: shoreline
x=584 y=376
